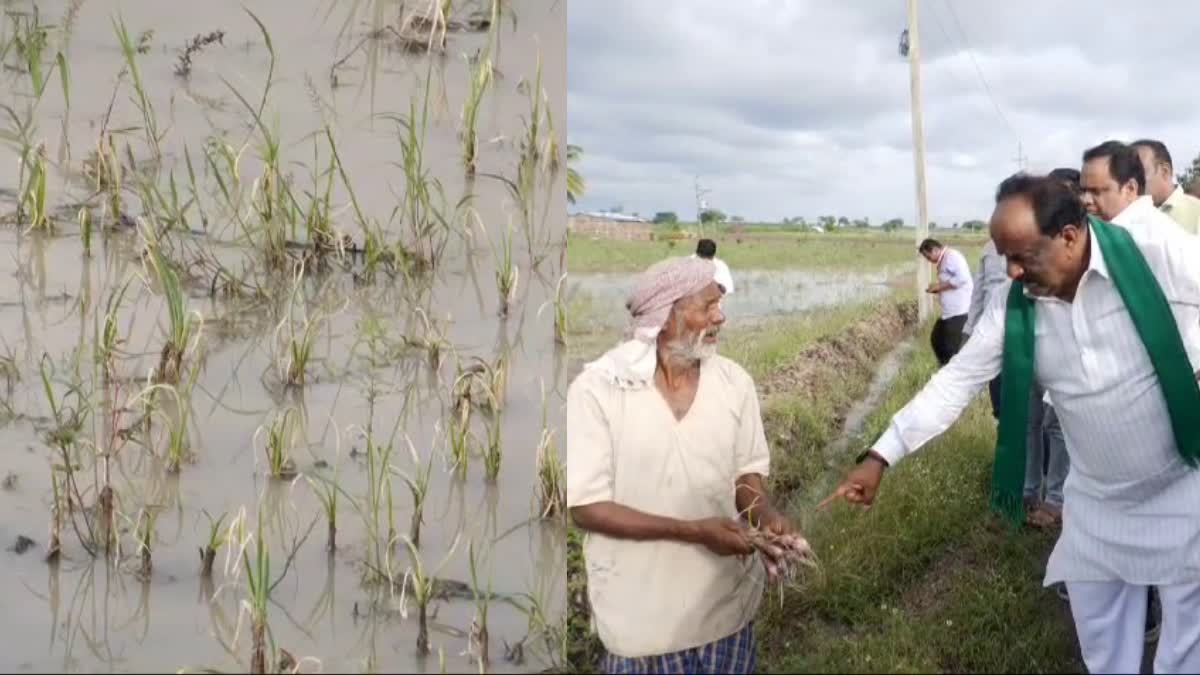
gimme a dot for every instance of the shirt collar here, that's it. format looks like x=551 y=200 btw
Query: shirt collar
x=1143 y=204
x=1173 y=199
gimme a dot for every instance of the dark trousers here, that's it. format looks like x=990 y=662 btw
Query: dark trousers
x=994 y=394
x=947 y=337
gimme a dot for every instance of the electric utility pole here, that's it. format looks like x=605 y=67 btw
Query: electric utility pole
x=913 y=45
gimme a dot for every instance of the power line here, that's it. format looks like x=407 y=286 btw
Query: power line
x=950 y=43
x=982 y=78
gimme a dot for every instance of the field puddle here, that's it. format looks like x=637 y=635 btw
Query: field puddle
x=758 y=294
x=226 y=323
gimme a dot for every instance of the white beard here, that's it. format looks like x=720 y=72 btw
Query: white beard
x=695 y=350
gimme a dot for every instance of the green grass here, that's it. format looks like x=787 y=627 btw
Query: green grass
x=762 y=251
x=924 y=581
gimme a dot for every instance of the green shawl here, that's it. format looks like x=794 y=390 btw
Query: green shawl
x=1151 y=314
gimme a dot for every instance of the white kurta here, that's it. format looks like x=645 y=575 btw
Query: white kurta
x=1132 y=510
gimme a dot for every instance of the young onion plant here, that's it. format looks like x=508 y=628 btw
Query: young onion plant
x=424 y=587
x=481 y=79
x=216 y=540
x=552 y=479
x=482 y=596
x=280 y=438
x=184 y=327
x=418 y=486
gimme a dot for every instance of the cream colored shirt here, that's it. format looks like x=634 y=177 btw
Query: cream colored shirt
x=1183 y=209
x=625 y=445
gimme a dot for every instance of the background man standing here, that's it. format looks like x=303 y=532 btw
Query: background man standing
x=707 y=249
x=1160 y=184
x=954 y=287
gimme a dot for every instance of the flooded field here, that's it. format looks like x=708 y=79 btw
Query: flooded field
x=758 y=294
x=278 y=302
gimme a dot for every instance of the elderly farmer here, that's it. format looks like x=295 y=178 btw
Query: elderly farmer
x=1106 y=317
x=667 y=459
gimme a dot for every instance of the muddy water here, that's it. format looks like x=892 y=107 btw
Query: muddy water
x=757 y=293
x=90 y=614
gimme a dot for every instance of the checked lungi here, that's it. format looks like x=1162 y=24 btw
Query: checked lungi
x=733 y=654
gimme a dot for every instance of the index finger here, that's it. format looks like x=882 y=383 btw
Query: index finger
x=840 y=492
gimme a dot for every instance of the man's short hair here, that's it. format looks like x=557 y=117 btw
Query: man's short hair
x=1055 y=204
x=1161 y=154
x=1065 y=174
x=706 y=248
x=1124 y=164
x=929 y=245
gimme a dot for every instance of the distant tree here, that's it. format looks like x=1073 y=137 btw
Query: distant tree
x=862 y=223
x=737 y=219
x=893 y=224
x=827 y=222
x=843 y=222
x=709 y=216
x=1191 y=174
x=974 y=225
x=666 y=218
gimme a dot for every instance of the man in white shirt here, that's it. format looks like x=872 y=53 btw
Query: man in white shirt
x=1160 y=184
x=1132 y=499
x=707 y=249
x=954 y=287
x=667 y=461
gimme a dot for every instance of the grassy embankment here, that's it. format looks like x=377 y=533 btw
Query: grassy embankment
x=925 y=581
x=919 y=583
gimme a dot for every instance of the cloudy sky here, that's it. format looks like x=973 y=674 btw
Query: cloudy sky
x=801 y=107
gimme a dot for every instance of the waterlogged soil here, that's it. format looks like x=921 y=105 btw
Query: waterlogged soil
x=369 y=368
x=757 y=293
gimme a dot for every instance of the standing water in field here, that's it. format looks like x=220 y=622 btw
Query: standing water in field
x=277 y=335
x=757 y=293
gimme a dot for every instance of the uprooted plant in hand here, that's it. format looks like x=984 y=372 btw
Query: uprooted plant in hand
x=783 y=554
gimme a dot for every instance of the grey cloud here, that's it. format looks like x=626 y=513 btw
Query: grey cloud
x=802 y=108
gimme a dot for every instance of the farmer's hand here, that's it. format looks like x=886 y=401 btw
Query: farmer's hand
x=723 y=536
x=775 y=522
x=860 y=484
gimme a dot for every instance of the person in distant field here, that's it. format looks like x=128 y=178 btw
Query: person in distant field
x=707 y=249
x=1106 y=317
x=668 y=462
x=1171 y=198
x=954 y=287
